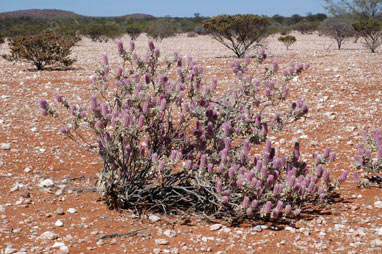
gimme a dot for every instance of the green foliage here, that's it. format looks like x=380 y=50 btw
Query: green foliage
x=239 y=32
x=161 y=29
x=42 y=49
x=287 y=40
x=359 y=8
x=306 y=27
x=134 y=30
x=102 y=32
x=371 y=31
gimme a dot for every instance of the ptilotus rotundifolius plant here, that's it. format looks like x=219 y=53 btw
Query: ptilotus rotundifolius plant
x=174 y=142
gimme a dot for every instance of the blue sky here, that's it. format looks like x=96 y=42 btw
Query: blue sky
x=174 y=8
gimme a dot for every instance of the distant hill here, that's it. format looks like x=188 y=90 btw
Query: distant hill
x=39 y=13
x=51 y=13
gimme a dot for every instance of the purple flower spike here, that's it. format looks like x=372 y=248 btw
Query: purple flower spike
x=343 y=177
x=132 y=45
x=267 y=207
x=227 y=143
x=210 y=168
x=270 y=180
x=249 y=212
x=297 y=211
x=156 y=53
x=141 y=121
x=44 y=112
x=59 y=98
x=296 y=151
x=254 y=203
x=147 y=78
x=355 y=177
x=319 y=171
x=219 y=186
x=163 y=103
x=188 y=164
x=120 y=47
x=332 y=157
x=154 y=157
x=231 y=172
x=246 y=202
x=161 y=165
x=275 y=213
x=203 y=160
x=288 y=208
x=64 y=129
x=151 y=45
x=326 y=176
x=225 y=199
x=275 y=66
x=105 y=60
x=43 y=104
x=327 y=153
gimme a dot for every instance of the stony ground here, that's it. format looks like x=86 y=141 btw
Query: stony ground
x=48 y=203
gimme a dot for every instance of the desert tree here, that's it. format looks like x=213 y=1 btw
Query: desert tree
x=287 y=40
x=239 y=33
x=361 y=8
x=339 y=28
x=371 y=31
x=134 y=30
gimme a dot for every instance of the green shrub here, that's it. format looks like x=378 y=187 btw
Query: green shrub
x=287 y=40
x=134 y=30
x=192 y=34
x=239 y=33
x=306 y=27
x=371 y=31
x=42 y=49
x=161 y=29
x=102 y=32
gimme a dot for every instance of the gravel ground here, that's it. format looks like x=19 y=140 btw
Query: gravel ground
x=48 y=203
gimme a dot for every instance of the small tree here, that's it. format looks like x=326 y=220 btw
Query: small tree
x=42 y=49
x=339 y=28
x=134 y=30
x=371 y=31
x=239 y=32
x=160 y=29
x=287 y=40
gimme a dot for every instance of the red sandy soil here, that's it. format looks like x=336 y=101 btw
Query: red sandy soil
x=342 y=88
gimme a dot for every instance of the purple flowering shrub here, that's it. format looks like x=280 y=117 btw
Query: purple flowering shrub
x=170 y=143
x=369 y=159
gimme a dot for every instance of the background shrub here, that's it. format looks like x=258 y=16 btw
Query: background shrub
x=370 y=30
x=170 y=145
x=42 y=49
x=134 y=30
x=287 y=40
x=161 y=29
x=339 y=28
x=239 y=33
